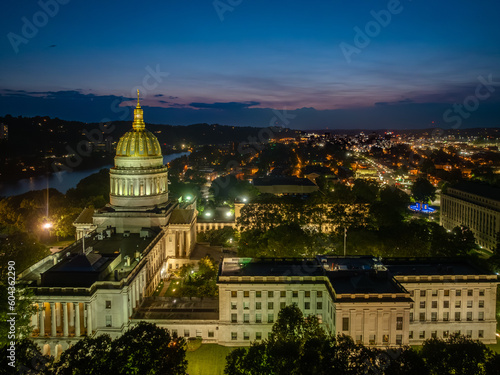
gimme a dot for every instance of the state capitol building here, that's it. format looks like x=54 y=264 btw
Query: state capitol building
x=104 y=282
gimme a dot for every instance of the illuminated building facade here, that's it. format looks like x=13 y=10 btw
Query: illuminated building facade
x=476 y=206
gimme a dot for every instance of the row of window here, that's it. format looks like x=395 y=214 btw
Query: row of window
x=187 y=333
x=468 y=333
x=372 y=339
x=446 y=304
x=399 y=323
x=270 y=305
x=458 y=292
x=258 y=318
x=246 y=335
x=270 y=294
x=446 y=316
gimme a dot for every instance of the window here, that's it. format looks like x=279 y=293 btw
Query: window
x=234 y=318
x=270 y=305
x=283 y=294
x=258 y=294
x=446 y=304
x=234 y=335
x=412 y=293
x=174 y=333
x=246 y=294
x=435 y=292
x=446 y=316
x=469 y=316
x=269 y=334
x=434 y=334
x=246 y=318
x=319 y=294
x=372 y=339
x=385 y=339
x=411 y=317
x=258 y=318
x=458 y=304
x=359 y=339
x=446 y=293
x=422 y=304
x=198 y=333
x=186 y=333
x=468 y=333
x=295 y=294
x=246 y=336
x=233 y=306
x=399 y=339
x=469 y=304
x=345 y=324
x=108 y=304
x=270 y=294
x=282 y=305
x=422 y=293
x=457 y=316
x=434 y=317
x=399 y=323
x=270 y=318
x=446 y=334
x=307 y=305
x=421 y=335
x=422 y=317
x=481 y=315
x=469 y=292
x=109 y=321
x=210 y=333
x=258 y=305
x=434 y=304
x=481 y=304
x=480 y=334
x=234 y=294
x=458 y=293
x=319 y=305
x=258 y=335
x=307 y=294
x=410 y=335
x=481 y=292
x=246 y=305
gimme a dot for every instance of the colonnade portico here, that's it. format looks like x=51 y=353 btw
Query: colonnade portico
x=63 y=319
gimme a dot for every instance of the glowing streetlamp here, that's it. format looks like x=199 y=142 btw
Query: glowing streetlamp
x=47 y=225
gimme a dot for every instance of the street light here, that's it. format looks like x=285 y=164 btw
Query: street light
x=47 y=225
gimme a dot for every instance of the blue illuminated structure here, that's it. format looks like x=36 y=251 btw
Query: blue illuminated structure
x=424 y=208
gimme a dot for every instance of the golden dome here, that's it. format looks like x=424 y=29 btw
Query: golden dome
x=139 y=141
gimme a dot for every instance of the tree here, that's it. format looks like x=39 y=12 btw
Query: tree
x=28 y=359
x=455 y=355
x=89 y=356
x=423 y=191
x=24 y=309
x=147 y=349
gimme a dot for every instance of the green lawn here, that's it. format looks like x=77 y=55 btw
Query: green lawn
x=209 y=359
x=495 y=347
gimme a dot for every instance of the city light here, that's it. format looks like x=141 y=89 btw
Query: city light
x=47 y=225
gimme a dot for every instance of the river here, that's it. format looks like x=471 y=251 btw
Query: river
x=61 y=181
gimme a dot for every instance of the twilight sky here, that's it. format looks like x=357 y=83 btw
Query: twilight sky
x=328 y=63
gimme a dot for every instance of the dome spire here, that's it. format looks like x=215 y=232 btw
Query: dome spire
x=138 y=123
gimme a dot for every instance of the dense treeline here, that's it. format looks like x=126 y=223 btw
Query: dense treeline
x=299 y=346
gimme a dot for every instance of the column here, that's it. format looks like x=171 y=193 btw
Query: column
x=65 y=319
x=89 y=319
x=133 y=296
x=77 y=318
x=53 y=331
x=42 y=318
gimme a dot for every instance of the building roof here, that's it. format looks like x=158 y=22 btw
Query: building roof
x=85 y=216
x=270 y=267
x=483 y=190
x=432 y=266
x=181 y=216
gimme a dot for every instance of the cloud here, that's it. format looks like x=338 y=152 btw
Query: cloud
x=225 y=106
